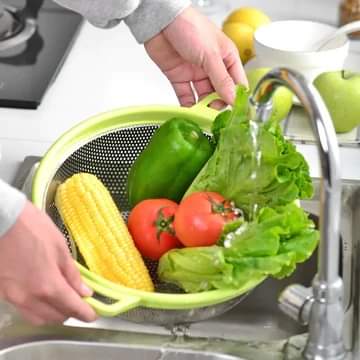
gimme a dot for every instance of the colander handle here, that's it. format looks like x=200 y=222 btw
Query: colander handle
x=203 y=105
x=123 y=302
x=117 y=308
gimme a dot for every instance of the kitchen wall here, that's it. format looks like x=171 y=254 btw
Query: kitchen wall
x=295 y=9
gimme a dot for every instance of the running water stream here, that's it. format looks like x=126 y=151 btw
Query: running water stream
x=255 y=163
x=238 y=112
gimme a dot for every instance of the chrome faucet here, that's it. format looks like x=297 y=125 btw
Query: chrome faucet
x=320 y=307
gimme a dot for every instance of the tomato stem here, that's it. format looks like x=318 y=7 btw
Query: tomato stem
x=224 y=207
x=164 y=224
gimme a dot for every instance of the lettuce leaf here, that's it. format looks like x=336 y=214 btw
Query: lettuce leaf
x=281 y=177
x=271 y=245
x=196 y=269
x=219 y=123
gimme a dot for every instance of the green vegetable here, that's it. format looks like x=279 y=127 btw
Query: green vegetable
x=219 y=123
x=167 y=166
x=282 y=174
x=271 y=245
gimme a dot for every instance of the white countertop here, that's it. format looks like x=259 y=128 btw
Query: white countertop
x=106 y=69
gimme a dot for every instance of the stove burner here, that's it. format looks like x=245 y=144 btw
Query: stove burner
x=35 y=38
x=10 y=25
x=16 y=26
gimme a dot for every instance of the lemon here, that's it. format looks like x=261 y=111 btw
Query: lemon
x=240 y=26
x=248 y=15
x=242 y=35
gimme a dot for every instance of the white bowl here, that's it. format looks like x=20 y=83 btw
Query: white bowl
x=290 y=43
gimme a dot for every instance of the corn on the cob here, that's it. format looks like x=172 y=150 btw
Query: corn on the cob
x=97 y=227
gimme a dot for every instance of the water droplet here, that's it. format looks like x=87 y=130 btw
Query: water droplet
x=241 y=229
x=228 y=240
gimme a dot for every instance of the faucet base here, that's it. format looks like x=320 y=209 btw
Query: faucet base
x=326 y=320
x=330 y=353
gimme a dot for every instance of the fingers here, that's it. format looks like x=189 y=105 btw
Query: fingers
x=48 y=301
x=225 y=70
x=67 y=301
x=235 y=68
x=41 y=314
x=72 y=275
x=67 y=290
x=185 y=93
x=203 y=87
x=31 y=317
x=42 y=296
x=33 y=310
x=220 y=77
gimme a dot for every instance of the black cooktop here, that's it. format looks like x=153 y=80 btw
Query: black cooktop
x=33 y=49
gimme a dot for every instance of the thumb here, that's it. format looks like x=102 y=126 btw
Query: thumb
x=72 y=275
x=220 y=78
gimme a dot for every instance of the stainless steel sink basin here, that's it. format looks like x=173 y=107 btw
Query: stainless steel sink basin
x=19 y=340
x=72 y=350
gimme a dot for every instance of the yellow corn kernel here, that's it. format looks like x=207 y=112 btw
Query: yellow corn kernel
x=97 y=227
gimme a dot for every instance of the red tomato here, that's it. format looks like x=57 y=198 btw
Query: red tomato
x=201 y=217
x=151 y=226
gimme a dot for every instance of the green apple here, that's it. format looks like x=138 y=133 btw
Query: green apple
x=282 y=99
x=340 y=91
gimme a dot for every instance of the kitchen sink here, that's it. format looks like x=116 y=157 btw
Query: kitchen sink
x=254 y=329
x=72 y=350
x=19 y=340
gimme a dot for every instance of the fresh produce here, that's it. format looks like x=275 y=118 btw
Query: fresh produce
x=267 y=242
x=271 y=245
x=167 y=166
x=248 y=15
x=151 y=226
x=242 y=36
x=98 y=229
x=201 y=217
x=278 y=177
x=282 y=100
x=219 y=123
x=340 y=91
x=240 y=26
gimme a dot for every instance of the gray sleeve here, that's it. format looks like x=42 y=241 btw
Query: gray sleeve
x=12 y=202
x=145 y=18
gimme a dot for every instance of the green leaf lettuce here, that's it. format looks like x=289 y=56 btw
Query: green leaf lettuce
x=271 y=245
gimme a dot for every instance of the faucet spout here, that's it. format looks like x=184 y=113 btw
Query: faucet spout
x=326 y=313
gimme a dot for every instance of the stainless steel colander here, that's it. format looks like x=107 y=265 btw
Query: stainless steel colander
x=106 y=146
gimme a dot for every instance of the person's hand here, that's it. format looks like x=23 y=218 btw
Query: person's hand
x=197 y=58
x=37 y=273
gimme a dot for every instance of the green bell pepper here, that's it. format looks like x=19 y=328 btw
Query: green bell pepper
x=166 y=167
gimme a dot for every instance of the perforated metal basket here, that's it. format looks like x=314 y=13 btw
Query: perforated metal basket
x=106 y=146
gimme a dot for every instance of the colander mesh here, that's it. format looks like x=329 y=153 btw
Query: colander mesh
x=109 y=157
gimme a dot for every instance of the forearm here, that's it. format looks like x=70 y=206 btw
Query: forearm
x=12 y=203
x=145 y=18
